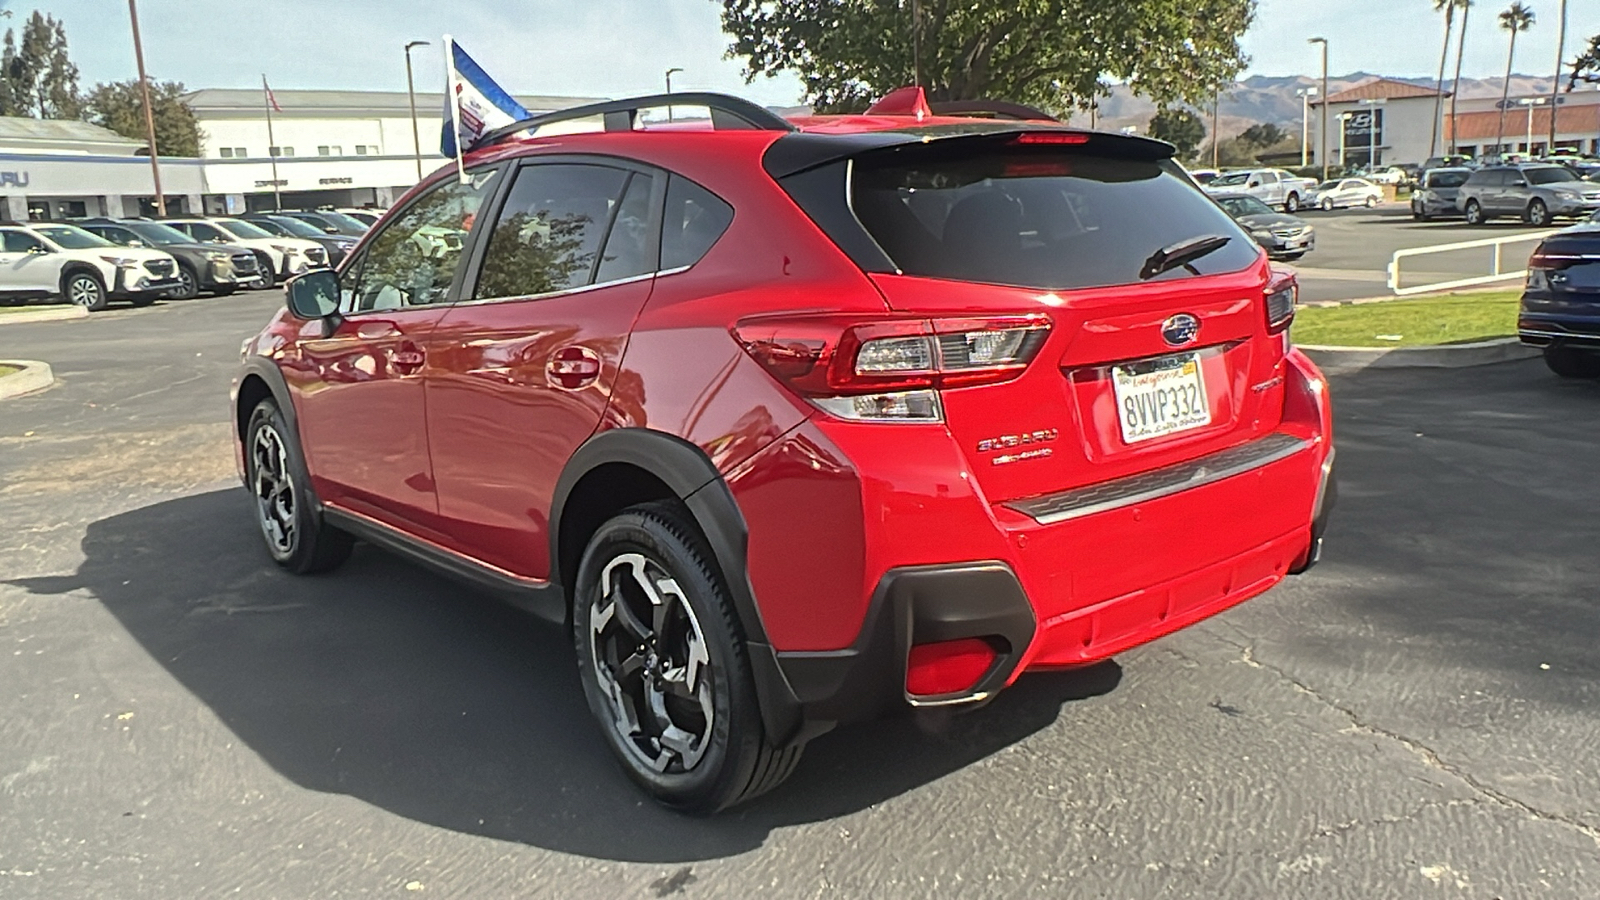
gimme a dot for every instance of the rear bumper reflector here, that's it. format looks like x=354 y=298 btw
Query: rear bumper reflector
x=1146 y=486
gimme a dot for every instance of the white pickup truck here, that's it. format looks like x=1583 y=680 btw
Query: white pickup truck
x=1274 y=187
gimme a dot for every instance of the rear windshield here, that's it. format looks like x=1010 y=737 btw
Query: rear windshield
x=1447 y=179
x=1040 y=218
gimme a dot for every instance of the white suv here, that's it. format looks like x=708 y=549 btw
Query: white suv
x=284 y=256
x=57 y=260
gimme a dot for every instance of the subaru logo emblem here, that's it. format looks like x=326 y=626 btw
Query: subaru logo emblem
x=1180 y=329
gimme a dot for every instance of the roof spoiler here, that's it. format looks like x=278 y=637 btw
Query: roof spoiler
x=727 y=112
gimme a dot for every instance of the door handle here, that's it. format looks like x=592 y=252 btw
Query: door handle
x=572 y=368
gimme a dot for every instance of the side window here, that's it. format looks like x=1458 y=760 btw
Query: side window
x=413 y=259
x=119 y=236
x=18 y=242
x=549 y=233
x=200 y=231
x=630 y=247
x=693 y=220
x=1269 y=178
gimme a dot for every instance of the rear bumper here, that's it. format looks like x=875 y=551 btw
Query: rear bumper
x=1570 y=331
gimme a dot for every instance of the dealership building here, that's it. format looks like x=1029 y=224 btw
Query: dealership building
x=1392 y=122
x=327 y=148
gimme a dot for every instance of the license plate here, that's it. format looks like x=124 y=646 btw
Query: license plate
x=1160 y=397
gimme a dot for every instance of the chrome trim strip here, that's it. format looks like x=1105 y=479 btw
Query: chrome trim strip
x=582 y=289
x=1147 y=486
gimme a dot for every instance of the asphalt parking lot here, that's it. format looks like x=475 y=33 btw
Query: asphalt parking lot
x=1419 y=716
x=1354 y=247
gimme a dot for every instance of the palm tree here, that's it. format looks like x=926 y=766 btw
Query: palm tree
x=1449 y=9
x=1515 y=18
x=1455 y=85
x=1561 y=49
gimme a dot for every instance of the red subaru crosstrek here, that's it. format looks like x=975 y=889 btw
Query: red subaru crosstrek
x=800 y=422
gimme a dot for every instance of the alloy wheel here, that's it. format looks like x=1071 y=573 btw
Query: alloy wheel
x=83 y=291
x=652 y=664
x=274 y=490
x=190 y=288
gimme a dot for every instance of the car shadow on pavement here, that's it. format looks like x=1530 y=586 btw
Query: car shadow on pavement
x=404 y=690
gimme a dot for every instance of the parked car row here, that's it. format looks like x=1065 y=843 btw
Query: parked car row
x=93 y=261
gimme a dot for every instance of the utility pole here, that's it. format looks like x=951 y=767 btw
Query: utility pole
x=411 y=91
x=149 y=115
x=1322 y=154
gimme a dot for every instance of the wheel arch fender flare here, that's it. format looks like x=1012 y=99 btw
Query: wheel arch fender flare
x=245 y=398
x=693 y=478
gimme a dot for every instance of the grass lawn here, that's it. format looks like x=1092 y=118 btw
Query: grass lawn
x=1446 y=319
x=8 y=370
x=26 y=307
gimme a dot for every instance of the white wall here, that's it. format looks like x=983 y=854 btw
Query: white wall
x=1406 y=124
x=392 y=135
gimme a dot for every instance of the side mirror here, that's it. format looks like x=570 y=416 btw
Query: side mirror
x=39 y=250
x=1519 y=183
x=314 y=295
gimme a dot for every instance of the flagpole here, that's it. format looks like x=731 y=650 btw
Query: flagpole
x=272 y=142
x=455 y=106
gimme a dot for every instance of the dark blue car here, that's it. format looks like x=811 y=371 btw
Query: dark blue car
x=1561 y=304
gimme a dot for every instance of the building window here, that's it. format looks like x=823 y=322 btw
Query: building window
x=322 y=151
x=226 y=152
x=280 y=151
x=338 y=150
x=366 y=149
x=238 y=153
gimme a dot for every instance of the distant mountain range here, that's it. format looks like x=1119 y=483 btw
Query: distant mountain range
x=1264 y=98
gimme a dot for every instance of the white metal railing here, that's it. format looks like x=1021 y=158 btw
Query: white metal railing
x=1496 y=263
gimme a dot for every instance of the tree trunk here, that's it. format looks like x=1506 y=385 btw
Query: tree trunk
x=1555 y=88
x=1455 y=85
x=1505 y=95
x=1438 y=100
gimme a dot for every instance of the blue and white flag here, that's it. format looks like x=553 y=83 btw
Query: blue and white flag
x=474 y=103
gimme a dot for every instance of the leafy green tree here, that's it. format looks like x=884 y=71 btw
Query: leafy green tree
x=37 y=75
x=1263 y=135
x=1180 y=128
x=119 y=106
x=1055 y=54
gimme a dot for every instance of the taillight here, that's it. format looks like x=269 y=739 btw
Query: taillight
x=890 y=369
x=1282 y=293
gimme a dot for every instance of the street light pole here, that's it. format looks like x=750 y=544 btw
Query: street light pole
x=1305 y=133
x=669 y=89
x=1322 y=135
x=1343 y=118
x=1530 y=103
x=411 y=92
x=149 y=114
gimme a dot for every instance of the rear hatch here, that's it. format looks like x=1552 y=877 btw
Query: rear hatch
x=1563 y=290
x=1159 y=348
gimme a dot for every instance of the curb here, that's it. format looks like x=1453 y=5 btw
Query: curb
x=35 y=376
x=44 y=314
x=1338 y=360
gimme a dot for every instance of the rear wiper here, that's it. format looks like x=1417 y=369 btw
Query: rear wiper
x=1183 y=253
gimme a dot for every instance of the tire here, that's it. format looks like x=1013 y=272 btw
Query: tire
x=143 y=301
x=661 y=651
x=1570 y=363
x=1537 y=214
x=191 y=284
x=1291 y=203
x=1327 y=204
x=1290 y=257
x=286 y=508
x=1371 y=201
x=223 y=290
x=1474 y=213
x=84 y=288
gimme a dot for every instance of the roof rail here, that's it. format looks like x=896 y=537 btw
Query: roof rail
x=1000 y=109
x=727 y=112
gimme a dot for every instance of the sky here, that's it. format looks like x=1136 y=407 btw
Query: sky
x=613 y=48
